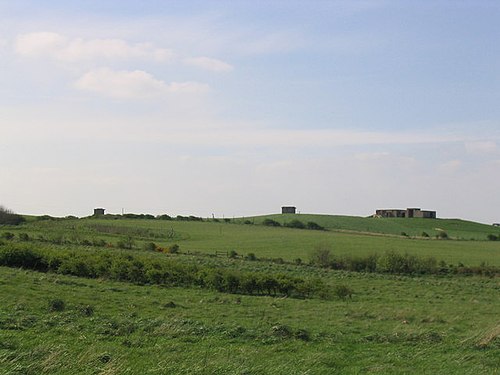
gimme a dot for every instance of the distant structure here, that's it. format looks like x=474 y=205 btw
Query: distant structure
x=288 y=210
x=99 y=211
x=409 y=212
x=496 y=224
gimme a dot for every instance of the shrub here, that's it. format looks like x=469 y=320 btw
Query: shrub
x=86 y=310
x=150 y=246
x=233 y=254
x=56 y=305
x=174 y=249
x=314 y=226
x=342 y=291
x=425 y=234
x=492 y=237
x=296 y=224
x=281 y=331
x=8 y=217
x=321 y=256
x=164 y=217
x=251 y=256
x=442 y=235
x=271 y=223
x=127 y=243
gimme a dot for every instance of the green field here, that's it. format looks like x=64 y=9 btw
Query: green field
x=54 y=323
x=289 y=244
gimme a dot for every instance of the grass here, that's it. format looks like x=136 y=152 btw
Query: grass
x=455 y=228
x=286 y=243
x=392 y=325
x=56 y=324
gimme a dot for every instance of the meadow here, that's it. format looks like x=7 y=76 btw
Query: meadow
x=121 y=322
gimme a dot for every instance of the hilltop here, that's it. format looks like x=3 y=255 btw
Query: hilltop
x=413 y=227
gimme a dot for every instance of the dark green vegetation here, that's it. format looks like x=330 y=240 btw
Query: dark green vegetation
x=185 y=296
x=7 y=217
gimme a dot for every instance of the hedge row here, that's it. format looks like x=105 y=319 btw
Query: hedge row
x=130 y=268
x=398 y=263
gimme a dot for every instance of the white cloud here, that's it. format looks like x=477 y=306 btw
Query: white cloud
x=61 y=48
x=208 y=63
x=40 y=43
x=133 y=84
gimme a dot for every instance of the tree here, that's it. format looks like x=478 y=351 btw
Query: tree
x=8 y=217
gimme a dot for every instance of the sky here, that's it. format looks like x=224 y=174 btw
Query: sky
x=236 y=108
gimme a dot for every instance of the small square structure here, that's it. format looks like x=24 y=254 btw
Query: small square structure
x=288 y=209
x=99 y=211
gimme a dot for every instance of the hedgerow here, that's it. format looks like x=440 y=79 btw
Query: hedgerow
x=136 y=269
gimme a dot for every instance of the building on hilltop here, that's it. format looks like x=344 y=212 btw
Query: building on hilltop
x=408 y=213
x=288 y=209
x=99 y=211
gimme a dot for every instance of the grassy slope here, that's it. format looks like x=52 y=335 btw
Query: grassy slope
x=392 y=325
x=456 y=228
x=269 y=241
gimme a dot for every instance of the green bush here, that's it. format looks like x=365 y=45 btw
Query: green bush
x=251 y=257
x=271 y=223
x=314 y=226
x=8 y=217
x=342 y=291
x=149 y=246
x=56 y=305
x=297 y=224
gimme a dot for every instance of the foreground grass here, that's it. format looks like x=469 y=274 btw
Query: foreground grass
x=392 y=325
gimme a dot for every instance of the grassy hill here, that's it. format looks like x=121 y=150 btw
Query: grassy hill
x=101 y=303
x=345 y=235
x=455 y=228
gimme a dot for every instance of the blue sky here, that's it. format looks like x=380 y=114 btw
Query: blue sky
x=238 y=107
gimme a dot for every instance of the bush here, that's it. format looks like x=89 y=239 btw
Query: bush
x=425 y=234
x=150 y=246
x=314 y=226
x=442 y=235
x=86 y=310
x=164 y=217
x=492 y=237
x=342 y=291
x=174 y=249
x=251 y=256
x=271 y=223
x=233 y=254
x=297 y=224
x=56 y=305
x=7 y=217
x=321 y=257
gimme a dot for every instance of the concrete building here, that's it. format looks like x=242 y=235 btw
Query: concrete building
x=288 y=210
x=99 y=211
x=408 y=213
